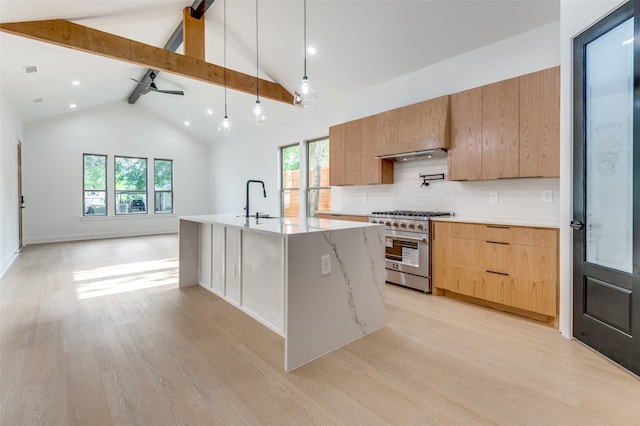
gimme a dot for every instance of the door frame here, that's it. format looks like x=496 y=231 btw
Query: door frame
x=20 y=199
x=578 y=263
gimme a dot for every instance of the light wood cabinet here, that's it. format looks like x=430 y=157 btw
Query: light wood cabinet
x=512 y=268
x=417 y=127
x=540 y=124
x=465 y=155
x=500 y=127
x=351 y=158
x=507 y=129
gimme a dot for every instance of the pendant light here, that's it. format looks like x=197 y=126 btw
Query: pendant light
x=305 y=94
x=257 y=115
x=224 y=128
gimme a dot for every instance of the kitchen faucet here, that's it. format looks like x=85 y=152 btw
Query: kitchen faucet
x=264 y=191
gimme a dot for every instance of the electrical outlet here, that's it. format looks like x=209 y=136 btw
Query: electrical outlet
x=233 y=271
x=365 y=197
x=547 y=196
x=325 y=262
x=493 y=197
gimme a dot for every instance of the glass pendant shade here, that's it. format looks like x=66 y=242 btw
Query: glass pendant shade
x=224 y=128
x=305 y=94
x=257 y=115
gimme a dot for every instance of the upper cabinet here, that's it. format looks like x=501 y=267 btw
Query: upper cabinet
x=352 y=155
x=416 y=127
x=517 y=122
x=540 y=123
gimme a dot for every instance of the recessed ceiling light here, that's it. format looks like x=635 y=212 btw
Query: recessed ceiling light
x=30 y=69
x=210 y=111
x=186 y=123
x=75 y=83
x=311 y=50
x=72 y=106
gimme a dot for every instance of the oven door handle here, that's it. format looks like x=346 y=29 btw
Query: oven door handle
x=401 y=237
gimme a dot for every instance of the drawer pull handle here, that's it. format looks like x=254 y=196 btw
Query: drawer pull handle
x=498 y=226
x=497 y=242
x=498 y=273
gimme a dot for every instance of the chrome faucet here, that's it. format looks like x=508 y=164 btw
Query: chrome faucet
x=264 y=191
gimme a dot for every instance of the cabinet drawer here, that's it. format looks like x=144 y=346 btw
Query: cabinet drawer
x=498 y=233
x=539 y=263
x=469 y=231
x=539 y=237
x=498 y=257
x=535 y=296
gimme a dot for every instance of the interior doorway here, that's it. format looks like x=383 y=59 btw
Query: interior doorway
x=20 y=196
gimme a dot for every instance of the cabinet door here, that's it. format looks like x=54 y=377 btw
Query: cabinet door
x=352 y=146
x=500 y=139
x=336 y=155
x=465 y=154
x=373 y=170
x=540 y=123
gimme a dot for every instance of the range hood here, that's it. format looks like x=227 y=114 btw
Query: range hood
x=416 y=155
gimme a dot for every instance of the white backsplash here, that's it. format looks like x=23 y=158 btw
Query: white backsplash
x=517 y=198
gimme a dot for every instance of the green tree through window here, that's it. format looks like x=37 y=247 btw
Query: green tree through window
x=94 y=185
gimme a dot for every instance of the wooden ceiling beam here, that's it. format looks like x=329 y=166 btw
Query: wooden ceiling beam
x=193 y=33
x=74 y=36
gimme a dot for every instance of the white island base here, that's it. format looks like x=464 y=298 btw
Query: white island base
x=318 y=283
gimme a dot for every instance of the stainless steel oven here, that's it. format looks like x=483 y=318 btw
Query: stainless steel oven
x=407 y=241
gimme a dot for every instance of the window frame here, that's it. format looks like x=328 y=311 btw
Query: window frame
x=116 y=192
x=283 y=190
x=156 y=192
x=85 y=189
x=309 y=187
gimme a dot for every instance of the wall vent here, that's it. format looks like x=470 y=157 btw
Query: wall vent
x=31 y=69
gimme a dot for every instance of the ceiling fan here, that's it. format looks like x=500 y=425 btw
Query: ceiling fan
x=153 y=88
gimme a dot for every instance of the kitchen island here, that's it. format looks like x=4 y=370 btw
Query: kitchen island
x=318 y=283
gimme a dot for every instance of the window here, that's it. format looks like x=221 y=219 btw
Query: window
x=94 y=185
x=163 y=186
x=318 y=167
x=315 y=171
x=131 y=185
x=290 y=178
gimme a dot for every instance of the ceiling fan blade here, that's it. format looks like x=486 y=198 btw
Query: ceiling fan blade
x=137 y=81
x=170 y=92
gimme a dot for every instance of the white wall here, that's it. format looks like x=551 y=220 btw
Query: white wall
x=52 y=172
x=10 y=133
x=527 y=52
x=575 y=17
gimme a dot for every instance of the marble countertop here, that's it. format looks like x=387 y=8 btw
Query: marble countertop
x=278 y=225
x=539 y=223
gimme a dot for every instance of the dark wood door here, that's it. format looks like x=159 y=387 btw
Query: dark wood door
x=606 y=204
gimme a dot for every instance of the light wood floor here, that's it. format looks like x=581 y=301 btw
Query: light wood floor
x=97 y=333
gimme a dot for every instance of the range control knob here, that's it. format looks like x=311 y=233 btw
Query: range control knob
x=403 y=225
x=411 y=226
x=394 y=224
x=388 y=223
x=420 y=227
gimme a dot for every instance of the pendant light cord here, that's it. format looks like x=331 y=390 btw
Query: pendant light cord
x=305 y=38
x=225 y=58
x=257 y=79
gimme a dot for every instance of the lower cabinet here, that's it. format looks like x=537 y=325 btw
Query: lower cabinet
x=512 y=268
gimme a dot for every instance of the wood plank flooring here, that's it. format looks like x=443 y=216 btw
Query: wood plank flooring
x=98 y=333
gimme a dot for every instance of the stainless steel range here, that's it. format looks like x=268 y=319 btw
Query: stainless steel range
x=408 y=257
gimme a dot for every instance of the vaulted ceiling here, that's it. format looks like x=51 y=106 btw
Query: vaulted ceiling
x=359 y=43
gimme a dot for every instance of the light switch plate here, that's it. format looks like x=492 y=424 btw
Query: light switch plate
x=493 y=197
x=325 y=262
x=547 y=196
